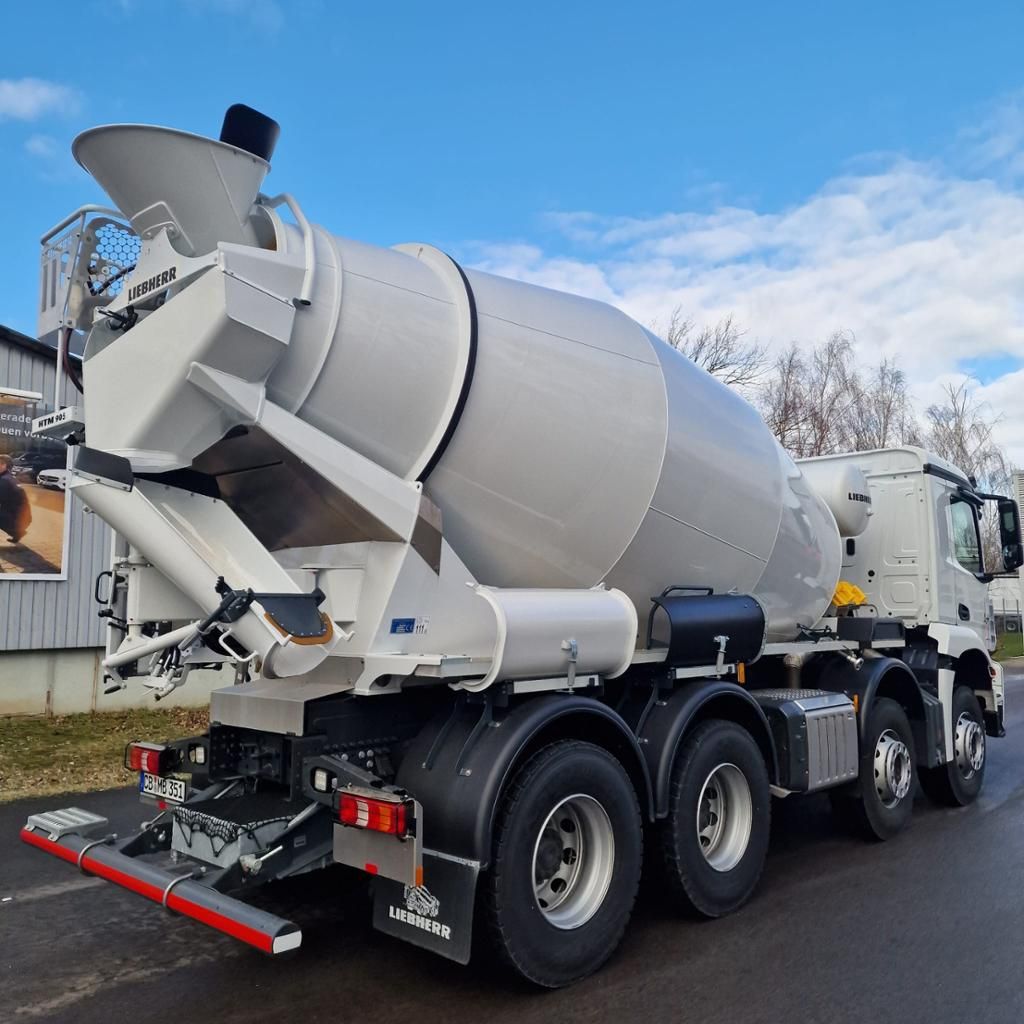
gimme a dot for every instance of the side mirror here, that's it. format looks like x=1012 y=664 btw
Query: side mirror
x=1010 y=534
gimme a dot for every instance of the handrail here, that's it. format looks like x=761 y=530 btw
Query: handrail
x=80 y=212
x=308 y=242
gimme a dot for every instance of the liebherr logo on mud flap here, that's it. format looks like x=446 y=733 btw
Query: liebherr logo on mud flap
x=421 y=907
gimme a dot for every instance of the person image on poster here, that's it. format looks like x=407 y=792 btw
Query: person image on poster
x=15 y=510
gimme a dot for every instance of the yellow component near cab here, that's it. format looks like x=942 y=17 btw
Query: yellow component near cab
x=848 y=594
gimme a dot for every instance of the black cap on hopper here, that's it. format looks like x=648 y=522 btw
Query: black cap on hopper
x=250 y=130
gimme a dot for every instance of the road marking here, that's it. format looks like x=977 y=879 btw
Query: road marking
x=85 y=986
x=76 y=988
x=44 y=892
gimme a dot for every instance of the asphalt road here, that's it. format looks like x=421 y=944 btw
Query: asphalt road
x=926 y=928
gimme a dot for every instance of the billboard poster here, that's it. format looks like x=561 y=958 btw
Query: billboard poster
x=33 y=473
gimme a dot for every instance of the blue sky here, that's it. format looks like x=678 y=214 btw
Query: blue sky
x=808 y=167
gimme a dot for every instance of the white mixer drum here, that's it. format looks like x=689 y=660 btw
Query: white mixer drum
x=565 y=445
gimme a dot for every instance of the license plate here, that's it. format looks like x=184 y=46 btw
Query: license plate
x=171 y=790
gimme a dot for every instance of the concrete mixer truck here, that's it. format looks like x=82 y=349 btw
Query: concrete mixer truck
x=499 y=583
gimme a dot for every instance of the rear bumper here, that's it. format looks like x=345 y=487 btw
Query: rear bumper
x=180 y=893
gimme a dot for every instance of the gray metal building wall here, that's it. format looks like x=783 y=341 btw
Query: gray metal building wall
x=44 y=614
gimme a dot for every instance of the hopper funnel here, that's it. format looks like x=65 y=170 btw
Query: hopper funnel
x=159 y=177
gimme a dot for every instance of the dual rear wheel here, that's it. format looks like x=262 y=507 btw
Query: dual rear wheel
x=566 y=866
x=714 y=840
x=569 y=843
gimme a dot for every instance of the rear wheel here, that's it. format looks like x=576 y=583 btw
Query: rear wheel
x=566 y=865
x=880 y=802
x=959 y=782
x=715 y=837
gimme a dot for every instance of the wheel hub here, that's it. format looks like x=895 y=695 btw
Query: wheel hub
x=893 y=771
x=573 y=859
x=725 y=814
x=969 y=745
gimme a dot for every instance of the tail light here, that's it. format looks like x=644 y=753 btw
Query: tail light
x=377 y=814
x=147 y=757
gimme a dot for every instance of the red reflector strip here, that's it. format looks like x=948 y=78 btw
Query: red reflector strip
x=237 y=930
x=244 y=933
x=37 y=839
x=375 y=815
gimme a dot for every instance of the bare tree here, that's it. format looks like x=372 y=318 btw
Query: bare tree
x=961 y=430
x=882 y=414
x=721 y=349
x=782 y=400
x=809 y=398
x=819 y=401
x=830 y=390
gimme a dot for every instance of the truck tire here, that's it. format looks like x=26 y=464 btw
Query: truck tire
x=715 y=837
x=959 y=782
x=568 y=849
x=880 y=802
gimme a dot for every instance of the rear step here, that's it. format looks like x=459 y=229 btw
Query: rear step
x=65 y=834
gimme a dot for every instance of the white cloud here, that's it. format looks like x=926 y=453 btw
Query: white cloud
x=51 y=159
x=1003 y=398
x=28 y=99
x=45 y=147
x=921 y=261
x=265 y=15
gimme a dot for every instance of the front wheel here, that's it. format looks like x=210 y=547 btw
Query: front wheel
x=958 y=783
x=715 y=837
x=566 y=865
x=880 y=802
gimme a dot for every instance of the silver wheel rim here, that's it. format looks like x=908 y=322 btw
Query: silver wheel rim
x=573 y=859
x=969 y=745
x=725 y=816
x=892 y=769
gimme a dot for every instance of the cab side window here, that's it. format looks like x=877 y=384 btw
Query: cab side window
x=966 y=540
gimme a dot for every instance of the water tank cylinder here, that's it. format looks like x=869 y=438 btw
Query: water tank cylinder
x=844 y=488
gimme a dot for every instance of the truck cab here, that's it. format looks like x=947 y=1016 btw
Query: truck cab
x=921 y=559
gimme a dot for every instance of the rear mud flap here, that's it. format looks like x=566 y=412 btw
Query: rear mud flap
x=438 y=915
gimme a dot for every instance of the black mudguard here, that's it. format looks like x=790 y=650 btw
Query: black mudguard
x=457 y=768
x=663 y=717
x=458 y=765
